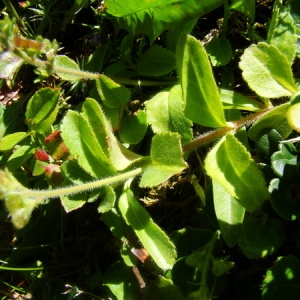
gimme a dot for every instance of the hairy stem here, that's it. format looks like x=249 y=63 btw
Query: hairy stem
x=75 y=189
x=220 y=132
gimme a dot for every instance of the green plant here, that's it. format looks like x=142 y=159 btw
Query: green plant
x=110 y=150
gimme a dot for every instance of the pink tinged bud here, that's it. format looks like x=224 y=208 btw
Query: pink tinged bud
x=42 y=155
x=54 y=175
x=55 y=145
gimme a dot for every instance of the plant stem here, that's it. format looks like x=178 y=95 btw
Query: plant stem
x=19 y=21
x=75 y=189
x=218 y=133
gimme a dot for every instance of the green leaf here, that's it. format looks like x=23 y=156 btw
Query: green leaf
x=246 y=7
x=292 y=116
x=163 y=288
x=282 y=279
x=285 y=161
x=283 y=202
x=63 y=61
x=94 y=115
x=230 y=214
x=108 y=199
x=165 y=113
x=275 y=119
x=19 y=157
x=231 y=165
x=261 y=238
x=267 y=71
x=163 y=17
x=151 y=236
x=20 y=209
x=166 y=156
x=133 y=127
x=10 y=140
x=83 y=145
x=234 y=100
x=221 y=266
x=281 y=31
x=42 y=109
x=9 y=65
x=219 y=51
x=156 y=61
x=120 y=157
x=267 y=144
x=121 y=281
x=74 y=174
x=118 y=8
x=202 y=100
x=112 y=94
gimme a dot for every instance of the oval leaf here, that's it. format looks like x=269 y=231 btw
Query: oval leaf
x=281 y=31
x=133 y=127
x=267 y=71
x=84 y=146
x=231 y=165
x=261 y=238
x=166 y=156
x=64 y=66
x=112 y=94
x=10 y=140
x=275 y=119
x=156 y=61
x=202 y=100
x=42 y=108
x=230 y=214
x=151 y=236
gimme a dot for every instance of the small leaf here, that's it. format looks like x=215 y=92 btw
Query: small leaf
x=246 y=7
x=20 y=209
x=163 y=288
x=63 y=61
x=275 y=119
x=112 y=94
x=92 y=112
x=292 y=116
x=9 y=65
x=283 y=201
x=202 y=100
x=234 y=100
x=10 y=140
x=267 y=71
x=165 y=113
x=219 y=51
x=73 y=174
x=267 y=144
x=84 y=146
x=281 y=31
x=121 y=281
x=120 y=157
x=282 y=279
x=284 y=162
x=166 y=156
x=259 y=239
x=133 y=127
x=108 y=199
x=42 y=109
x=119 y=8
x=231 y=165
x=151 y=236
x=221 y=266
x=19 y=157
x=230 y=214
x=156 y=61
